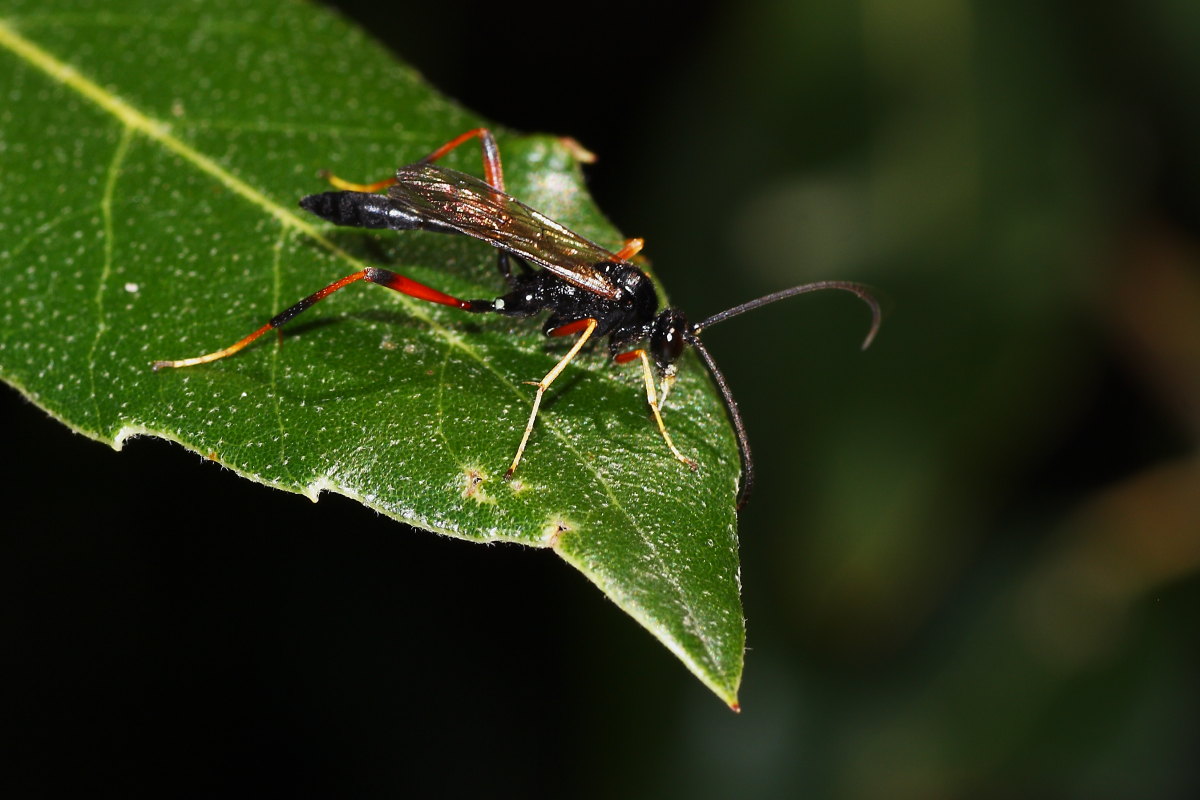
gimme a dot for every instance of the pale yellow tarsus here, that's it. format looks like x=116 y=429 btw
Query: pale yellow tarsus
x=351 y=186
x=652 y=399
x=544 y=384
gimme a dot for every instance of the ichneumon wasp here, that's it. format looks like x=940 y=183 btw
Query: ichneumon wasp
x=588 y=290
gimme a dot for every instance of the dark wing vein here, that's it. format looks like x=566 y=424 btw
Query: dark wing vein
x=469 y=206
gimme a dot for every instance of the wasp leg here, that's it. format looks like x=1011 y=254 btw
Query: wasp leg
x=493 y=173
x=630 y=249
x=351 y=186
x=382 y=277
x=504 y=264
x=588 y=326
x=492 y=170
x=652 y=399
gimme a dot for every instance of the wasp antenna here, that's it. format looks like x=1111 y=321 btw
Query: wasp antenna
x=692 y=337
x=856 y=289
x=735 y=416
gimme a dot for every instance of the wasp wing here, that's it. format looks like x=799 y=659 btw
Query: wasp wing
x=470 y=206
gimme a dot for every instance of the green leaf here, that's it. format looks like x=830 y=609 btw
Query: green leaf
x=151 y=158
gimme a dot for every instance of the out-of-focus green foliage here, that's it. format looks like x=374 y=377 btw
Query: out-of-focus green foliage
x=983 y=578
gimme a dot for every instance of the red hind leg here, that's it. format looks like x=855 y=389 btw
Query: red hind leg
x=382 y=277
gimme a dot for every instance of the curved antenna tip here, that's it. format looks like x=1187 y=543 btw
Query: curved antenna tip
x=876 y=315
x=856 y=289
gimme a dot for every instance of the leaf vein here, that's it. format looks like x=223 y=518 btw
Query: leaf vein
x=106 y=201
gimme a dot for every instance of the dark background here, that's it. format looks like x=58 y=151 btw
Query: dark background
x=970 y=566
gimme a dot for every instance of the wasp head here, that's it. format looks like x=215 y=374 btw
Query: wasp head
x=667 y=337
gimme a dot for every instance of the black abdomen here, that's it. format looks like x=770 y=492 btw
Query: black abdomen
x=362 y=210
